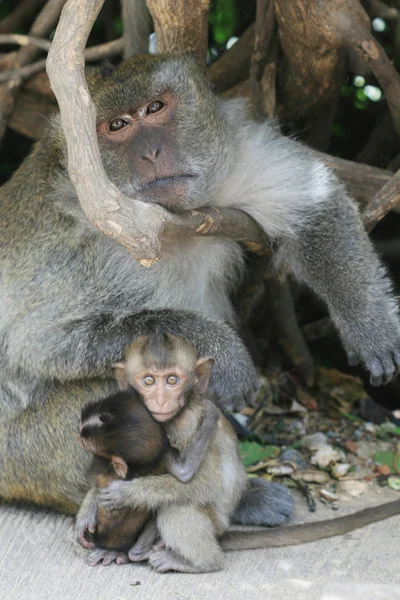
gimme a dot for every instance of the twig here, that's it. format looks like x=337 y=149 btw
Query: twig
x=384 y=201
x=25 y=10
x=386 y=74
x=305 y=490
x=263 y=32
x=24 y=40
x=181 y=26
x=286 y=327
x=40 y=28
x=380 y=9
x=318 y=329
x=234 y=65
x=92 y=54
x=136 y=225
x=137 y=26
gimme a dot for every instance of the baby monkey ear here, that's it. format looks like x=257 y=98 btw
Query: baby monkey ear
x=203 y=373
x=121 y=376
x=120 y=467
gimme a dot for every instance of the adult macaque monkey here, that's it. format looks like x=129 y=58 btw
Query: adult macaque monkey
x=128 y=442
x=70 y=297
x=170 y=378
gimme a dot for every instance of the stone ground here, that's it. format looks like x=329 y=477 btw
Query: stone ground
x=40 y=561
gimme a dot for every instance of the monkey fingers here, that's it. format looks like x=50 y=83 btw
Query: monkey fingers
x=106 y=557
x=118 y=494
x=83 y=539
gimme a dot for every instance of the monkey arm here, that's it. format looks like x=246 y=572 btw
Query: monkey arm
x=184 y=464
x=335 y=257
x=86 y=519
x=154 y=492
x=320 y=238
x=68 y=349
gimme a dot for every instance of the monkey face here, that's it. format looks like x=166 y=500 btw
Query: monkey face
x=165 y=371
x=161 y=134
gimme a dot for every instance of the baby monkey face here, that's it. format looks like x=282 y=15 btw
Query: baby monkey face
x=165 y=371
x=163 y=392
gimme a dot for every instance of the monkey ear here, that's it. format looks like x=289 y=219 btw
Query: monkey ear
x=203 y=373
x=121 y=376
x=119 y=466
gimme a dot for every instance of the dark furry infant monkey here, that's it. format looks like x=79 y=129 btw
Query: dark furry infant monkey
x=128 y=442
x=191 y=516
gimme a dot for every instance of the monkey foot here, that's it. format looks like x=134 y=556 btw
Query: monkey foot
x=107 y=557
x=141 y=552
x=164 y=560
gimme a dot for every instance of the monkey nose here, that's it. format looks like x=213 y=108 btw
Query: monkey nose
x=160 y=400
x=151 y=153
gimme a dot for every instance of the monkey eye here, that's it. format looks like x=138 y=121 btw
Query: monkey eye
x=148 y=380
x=105 y=417
x=154 y=107
x=172 y=379
x=118 y=124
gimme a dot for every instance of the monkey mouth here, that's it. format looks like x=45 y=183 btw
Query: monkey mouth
x=169 y=180
x=164 y=416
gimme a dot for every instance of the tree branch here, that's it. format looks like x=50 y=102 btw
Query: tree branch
x=385 y=200
x=92 y=54
x=181 y=26
x=137 y=26
x=134 y=224
x=41 y=27
x=234 y=65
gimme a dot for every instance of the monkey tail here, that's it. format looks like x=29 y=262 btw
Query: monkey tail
x=309 y=532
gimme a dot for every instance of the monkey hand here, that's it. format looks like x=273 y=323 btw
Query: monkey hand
x=84 y=529
x=376 y=345
x=86 y=520
x=118 y=494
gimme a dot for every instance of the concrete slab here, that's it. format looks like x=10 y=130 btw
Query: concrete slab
x=40 y=561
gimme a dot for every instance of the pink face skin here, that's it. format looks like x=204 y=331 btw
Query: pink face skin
x=162 y=392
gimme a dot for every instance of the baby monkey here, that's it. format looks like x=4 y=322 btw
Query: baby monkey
x=190 y=517
x=128 y=442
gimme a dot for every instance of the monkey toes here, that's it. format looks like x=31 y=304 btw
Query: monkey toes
x=164 y=560
x=106 y=557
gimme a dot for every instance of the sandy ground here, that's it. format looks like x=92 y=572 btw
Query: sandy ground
x=39 y=560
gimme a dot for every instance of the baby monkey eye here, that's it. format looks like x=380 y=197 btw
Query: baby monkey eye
x=118 y=124
x=148 y=380
x=154 y=107
x=105 y=417
x=172 y=379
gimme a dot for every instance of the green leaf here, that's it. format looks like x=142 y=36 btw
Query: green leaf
x=394 y=483
x=386 y=458
x=252 y=452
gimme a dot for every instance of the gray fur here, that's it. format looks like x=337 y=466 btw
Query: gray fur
x=71 y=298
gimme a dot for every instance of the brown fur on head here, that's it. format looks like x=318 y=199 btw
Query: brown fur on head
x=119 y=428
x=165 y=371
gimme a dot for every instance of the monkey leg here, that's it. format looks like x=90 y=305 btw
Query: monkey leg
x=190 y=538
x=144 y=545
x=263 y=503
